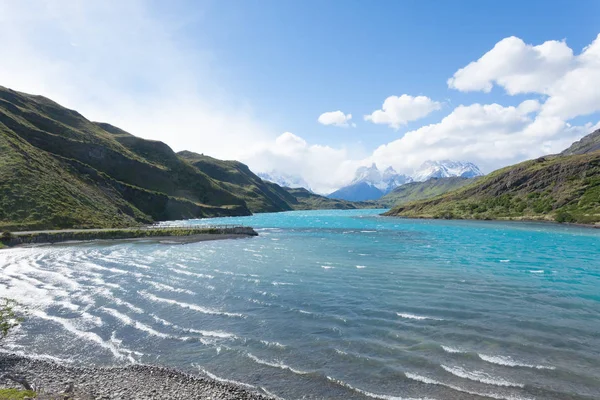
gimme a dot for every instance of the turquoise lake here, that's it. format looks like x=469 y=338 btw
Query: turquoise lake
x=330 y=305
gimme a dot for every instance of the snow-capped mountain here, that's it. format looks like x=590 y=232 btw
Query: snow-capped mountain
x=285 y=180
x=384 y=181
x=370 y=183
x=445 y=169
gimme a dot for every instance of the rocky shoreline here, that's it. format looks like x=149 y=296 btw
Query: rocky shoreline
x=124 y=383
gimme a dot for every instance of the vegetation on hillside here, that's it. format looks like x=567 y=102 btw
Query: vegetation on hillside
x=422 y=190
x=60 y=170
x=555 y=188
x=307 y=200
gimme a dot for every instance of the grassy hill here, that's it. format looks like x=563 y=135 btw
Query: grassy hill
x=307 y=200
x=562 y=188
x=422 y=190
x=60 y=170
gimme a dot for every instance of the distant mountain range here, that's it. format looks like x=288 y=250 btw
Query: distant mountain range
x=562 y=188
x=370 y=183
x=284 y=180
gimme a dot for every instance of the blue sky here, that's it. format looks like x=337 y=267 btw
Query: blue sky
x=249 y=79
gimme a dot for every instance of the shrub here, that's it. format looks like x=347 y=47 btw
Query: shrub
x=564 y=216
x=5 y=236
x=8 y=317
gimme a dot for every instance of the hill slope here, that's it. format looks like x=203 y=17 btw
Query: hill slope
x=307 y=200
x=588 y=144
x=60 y=170
x=557 y=188
x=422 y=190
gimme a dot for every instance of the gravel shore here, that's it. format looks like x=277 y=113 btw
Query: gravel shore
x=130 y=382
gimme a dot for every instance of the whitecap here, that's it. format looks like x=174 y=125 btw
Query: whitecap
x=282 y=284
x=504 y=261
x=453 y=350
x=277 y=364
x=216 y=378
x=182 y=272
x=361 y=266
x=126 y=320
x=536 y=271
x=417 y=317
x=369 y=394
x=430 y=381
x=273 y=344
x=480 y=376
x=189 y=306
x=162 y=286
x=509 y=362
x=327 y=267
x=271 y=395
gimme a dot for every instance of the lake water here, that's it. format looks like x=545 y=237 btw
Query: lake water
x=330 y=304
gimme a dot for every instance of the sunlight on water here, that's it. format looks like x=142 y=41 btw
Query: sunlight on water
x=330 y=304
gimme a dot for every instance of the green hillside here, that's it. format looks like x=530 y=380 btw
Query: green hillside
x=307 y=200
x=555 y=188
x=236 y=177
x=422 y=190
x=60 y=170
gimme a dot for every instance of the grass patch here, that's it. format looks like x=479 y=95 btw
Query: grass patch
x=16 y=394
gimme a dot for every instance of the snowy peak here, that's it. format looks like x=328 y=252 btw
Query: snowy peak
x=384 y=181
x=446 y=169
x=285 y=180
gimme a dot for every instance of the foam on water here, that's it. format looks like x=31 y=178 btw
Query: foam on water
x=277 y=364
x=449 y=349
x=360 y=266
x=136 y=324
x=417 y=317
x=162 y=286
x=193 y=307
x=217 y=378
x=369 y=394
x=498 y=396
x=480 y=376
x=188 y=273
x=509 y=362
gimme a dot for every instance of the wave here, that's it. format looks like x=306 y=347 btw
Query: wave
x=452 y=350
x=85 y=335
x=418 y=317
x=509 y=362
x=126 y=320
x=41 y=357
x=273 y=344
x=223 y=380
x=188 y=273
x=189 y=306
x=327 y=267
x=214 y=334
x=504 y=261
x=278 y=364
x=271 y=394
x=536 y=271
x=369 y=394
x=162 y=286
x=430 y=381
x=480 y=376
x=360 y=266
x=282 y=284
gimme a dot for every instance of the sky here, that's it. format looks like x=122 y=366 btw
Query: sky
x=318 y=88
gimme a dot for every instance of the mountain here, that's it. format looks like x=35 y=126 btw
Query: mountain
x=370 y=183
x=445 y=169
x=307 y=200
x=588 y=144
x=60 y=170
x=422 y=190
x=260 y=196
x=562 y=188
x=284 y=180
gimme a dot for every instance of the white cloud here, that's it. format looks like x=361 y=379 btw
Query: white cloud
x=324 y=168
x=117 y=62
x=399 y=110
x=489 y=135
x=336 y=118
x=516 y=66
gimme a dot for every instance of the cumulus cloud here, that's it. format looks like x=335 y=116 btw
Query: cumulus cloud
x=336 y=118
x=490 y=135
x=516 y=66
x=325 y=168
x=399 y=110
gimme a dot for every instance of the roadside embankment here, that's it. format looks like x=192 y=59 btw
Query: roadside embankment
x=176 y=234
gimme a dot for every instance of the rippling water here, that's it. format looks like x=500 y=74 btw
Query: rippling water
x=331 y=304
